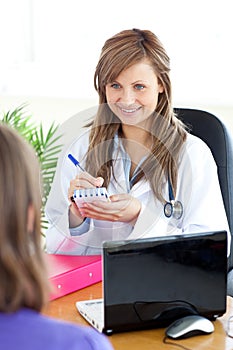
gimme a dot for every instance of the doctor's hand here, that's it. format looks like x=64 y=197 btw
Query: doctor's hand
x=122 y=207
x=82 y=180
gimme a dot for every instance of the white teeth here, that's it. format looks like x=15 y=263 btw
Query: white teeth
x=129 y=110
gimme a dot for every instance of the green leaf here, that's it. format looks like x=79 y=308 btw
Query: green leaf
x=44 y=143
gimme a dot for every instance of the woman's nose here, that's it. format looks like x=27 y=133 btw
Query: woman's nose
x=127 y=96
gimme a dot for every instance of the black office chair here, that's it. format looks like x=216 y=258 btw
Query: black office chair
x=219 y=139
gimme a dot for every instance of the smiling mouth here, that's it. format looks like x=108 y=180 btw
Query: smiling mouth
x=130 y=110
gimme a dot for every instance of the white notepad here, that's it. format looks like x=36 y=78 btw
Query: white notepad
x=90 y=194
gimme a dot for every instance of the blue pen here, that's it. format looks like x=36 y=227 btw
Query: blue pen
x=75 y=162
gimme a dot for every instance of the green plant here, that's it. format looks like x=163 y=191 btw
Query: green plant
x=44 y=144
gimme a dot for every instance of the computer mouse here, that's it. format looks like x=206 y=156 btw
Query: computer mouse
x=189 y=326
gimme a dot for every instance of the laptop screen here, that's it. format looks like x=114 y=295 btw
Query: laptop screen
x=151 y=282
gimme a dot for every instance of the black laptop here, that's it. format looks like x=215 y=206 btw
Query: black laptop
x=151 y=282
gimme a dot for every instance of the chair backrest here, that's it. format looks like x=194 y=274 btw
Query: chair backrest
x=220 y=141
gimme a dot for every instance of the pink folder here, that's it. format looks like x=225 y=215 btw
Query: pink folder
x=69 y=273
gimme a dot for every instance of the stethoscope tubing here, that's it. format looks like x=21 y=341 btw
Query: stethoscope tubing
x=172 y=208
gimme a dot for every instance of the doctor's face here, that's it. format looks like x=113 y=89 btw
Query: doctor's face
x=133 y=96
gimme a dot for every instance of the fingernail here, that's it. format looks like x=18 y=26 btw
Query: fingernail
x=100 y=181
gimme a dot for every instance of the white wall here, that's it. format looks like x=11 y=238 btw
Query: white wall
x=49 y=49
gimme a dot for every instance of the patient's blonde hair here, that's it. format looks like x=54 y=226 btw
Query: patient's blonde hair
x=23 y=275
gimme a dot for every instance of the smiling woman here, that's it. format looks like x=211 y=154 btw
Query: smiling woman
x=131 y=98
x=141 y=152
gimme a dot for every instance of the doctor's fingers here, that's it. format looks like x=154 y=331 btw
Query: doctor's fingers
x=121 y=197
x=85 y=180
x=104 y=215
x=124 y=210
x=97 y=213
x=74 y=185
x=116 y=204
x=127 y=207
x=78 y=183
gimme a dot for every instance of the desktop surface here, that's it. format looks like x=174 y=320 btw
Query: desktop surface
x=64 y=308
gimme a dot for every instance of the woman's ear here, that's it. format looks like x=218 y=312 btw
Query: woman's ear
x=161 y=88
x=30 y=219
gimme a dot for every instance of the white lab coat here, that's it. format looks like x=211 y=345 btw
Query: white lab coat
x=197 y=189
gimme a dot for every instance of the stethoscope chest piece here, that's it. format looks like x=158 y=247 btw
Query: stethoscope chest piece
x=168 y=209
x=177 y=210
x=173 y=208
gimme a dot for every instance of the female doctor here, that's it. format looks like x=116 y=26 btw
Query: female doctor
x=161 y=180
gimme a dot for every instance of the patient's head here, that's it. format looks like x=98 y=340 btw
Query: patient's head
x=23 y=278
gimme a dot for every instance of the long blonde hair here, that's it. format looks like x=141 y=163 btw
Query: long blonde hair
x=24 y=281
x=118 y=53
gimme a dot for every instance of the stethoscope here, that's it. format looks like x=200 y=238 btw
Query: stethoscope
x=172 y=208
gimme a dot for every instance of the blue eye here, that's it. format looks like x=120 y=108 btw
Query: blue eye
x=139 y=87
x=115 y=86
